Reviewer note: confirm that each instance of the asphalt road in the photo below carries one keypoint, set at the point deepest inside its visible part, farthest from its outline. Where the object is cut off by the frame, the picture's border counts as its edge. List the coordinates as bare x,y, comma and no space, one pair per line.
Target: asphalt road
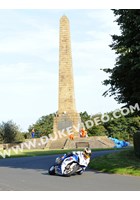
31,174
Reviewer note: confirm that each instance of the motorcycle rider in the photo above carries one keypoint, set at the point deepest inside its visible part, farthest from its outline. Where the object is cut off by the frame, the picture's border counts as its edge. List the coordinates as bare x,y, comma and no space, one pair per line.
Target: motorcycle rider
83,158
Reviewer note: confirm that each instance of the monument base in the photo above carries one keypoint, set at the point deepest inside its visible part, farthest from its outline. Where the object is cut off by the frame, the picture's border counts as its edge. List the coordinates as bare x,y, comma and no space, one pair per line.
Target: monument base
78,143
67,122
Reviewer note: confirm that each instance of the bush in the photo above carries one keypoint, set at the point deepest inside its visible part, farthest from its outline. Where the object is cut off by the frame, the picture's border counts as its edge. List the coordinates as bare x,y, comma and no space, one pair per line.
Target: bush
10,133
27,135
136,140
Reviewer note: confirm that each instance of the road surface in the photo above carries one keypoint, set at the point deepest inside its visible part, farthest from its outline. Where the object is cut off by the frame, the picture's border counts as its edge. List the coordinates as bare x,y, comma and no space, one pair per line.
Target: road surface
31,174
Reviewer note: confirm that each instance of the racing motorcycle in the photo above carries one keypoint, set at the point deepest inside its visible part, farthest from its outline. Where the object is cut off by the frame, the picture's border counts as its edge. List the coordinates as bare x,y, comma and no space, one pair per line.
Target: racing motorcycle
67,166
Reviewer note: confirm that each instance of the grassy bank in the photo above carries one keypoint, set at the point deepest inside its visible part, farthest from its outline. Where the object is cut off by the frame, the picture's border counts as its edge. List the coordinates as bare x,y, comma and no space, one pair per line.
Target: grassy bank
123,162
39,152
29,153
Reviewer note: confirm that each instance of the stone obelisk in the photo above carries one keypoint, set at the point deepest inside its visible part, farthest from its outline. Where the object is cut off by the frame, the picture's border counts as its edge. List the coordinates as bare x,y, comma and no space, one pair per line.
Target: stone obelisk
66,115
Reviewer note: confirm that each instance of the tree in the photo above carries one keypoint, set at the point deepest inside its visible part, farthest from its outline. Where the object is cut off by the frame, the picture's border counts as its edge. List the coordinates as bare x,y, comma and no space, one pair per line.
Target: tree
123,127
43,126
94,130
1,135
124,79
9,132
84,116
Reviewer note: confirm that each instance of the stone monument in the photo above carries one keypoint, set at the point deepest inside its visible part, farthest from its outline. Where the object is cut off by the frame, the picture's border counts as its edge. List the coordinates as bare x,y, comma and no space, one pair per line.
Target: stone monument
66,115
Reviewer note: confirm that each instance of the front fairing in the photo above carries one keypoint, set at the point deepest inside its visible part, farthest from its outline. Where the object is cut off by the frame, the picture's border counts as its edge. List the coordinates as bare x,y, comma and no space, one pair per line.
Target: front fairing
67,161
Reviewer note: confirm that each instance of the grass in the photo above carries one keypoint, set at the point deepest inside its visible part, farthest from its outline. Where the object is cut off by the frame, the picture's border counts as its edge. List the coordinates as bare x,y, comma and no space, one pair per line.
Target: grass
32,152
39,152
123,162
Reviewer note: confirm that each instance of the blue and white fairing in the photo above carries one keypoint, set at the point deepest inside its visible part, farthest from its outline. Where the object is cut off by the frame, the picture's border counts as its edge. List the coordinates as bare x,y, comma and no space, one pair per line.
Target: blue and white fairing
68,160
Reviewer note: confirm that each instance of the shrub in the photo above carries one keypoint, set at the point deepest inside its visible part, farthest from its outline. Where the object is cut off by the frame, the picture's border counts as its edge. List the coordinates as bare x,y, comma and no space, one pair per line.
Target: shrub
10,133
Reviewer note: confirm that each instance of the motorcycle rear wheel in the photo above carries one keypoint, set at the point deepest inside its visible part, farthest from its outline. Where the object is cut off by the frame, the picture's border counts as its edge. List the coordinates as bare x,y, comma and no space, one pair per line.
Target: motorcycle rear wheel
80,172
70,172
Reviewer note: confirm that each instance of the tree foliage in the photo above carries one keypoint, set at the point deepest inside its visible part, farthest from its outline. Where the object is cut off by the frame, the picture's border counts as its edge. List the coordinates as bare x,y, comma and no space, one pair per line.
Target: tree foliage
122,128
10,133
136,139
94,130
124,79
43,126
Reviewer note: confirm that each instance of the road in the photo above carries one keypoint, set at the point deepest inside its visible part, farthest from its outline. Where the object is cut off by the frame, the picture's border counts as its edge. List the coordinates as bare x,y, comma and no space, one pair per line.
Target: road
31,174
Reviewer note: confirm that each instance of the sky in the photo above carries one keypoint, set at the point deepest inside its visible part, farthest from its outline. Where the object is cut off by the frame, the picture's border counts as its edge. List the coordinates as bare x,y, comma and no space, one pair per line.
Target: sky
29,61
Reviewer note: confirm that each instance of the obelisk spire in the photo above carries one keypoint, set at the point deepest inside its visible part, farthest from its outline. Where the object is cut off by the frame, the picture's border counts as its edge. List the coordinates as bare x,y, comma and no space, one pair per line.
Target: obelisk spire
66,115
66,83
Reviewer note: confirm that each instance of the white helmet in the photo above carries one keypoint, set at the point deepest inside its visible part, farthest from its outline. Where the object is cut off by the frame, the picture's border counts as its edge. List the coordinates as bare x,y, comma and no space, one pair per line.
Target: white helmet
87,152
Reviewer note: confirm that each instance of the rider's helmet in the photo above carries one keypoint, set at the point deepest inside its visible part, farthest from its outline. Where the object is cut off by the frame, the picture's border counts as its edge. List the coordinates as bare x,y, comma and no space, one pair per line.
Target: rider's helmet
87,152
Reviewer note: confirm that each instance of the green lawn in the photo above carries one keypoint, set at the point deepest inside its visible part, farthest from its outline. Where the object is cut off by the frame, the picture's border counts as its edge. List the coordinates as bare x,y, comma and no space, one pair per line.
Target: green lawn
39,152
32,152
124,162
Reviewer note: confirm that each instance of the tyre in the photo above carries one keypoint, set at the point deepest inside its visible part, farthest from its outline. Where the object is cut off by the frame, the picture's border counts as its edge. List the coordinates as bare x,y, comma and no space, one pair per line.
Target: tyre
52,170
70,169
80,172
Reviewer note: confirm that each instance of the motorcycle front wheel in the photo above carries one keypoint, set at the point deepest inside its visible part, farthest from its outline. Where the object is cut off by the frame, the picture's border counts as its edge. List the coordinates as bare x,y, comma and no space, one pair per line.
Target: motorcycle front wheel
52,170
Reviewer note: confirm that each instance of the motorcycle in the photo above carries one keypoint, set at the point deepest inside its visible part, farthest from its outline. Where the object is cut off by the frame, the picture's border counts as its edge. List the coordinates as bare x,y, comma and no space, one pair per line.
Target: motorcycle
66,166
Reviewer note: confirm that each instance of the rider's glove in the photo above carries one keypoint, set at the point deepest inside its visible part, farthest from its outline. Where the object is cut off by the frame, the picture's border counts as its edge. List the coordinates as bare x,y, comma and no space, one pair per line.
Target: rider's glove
58,160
